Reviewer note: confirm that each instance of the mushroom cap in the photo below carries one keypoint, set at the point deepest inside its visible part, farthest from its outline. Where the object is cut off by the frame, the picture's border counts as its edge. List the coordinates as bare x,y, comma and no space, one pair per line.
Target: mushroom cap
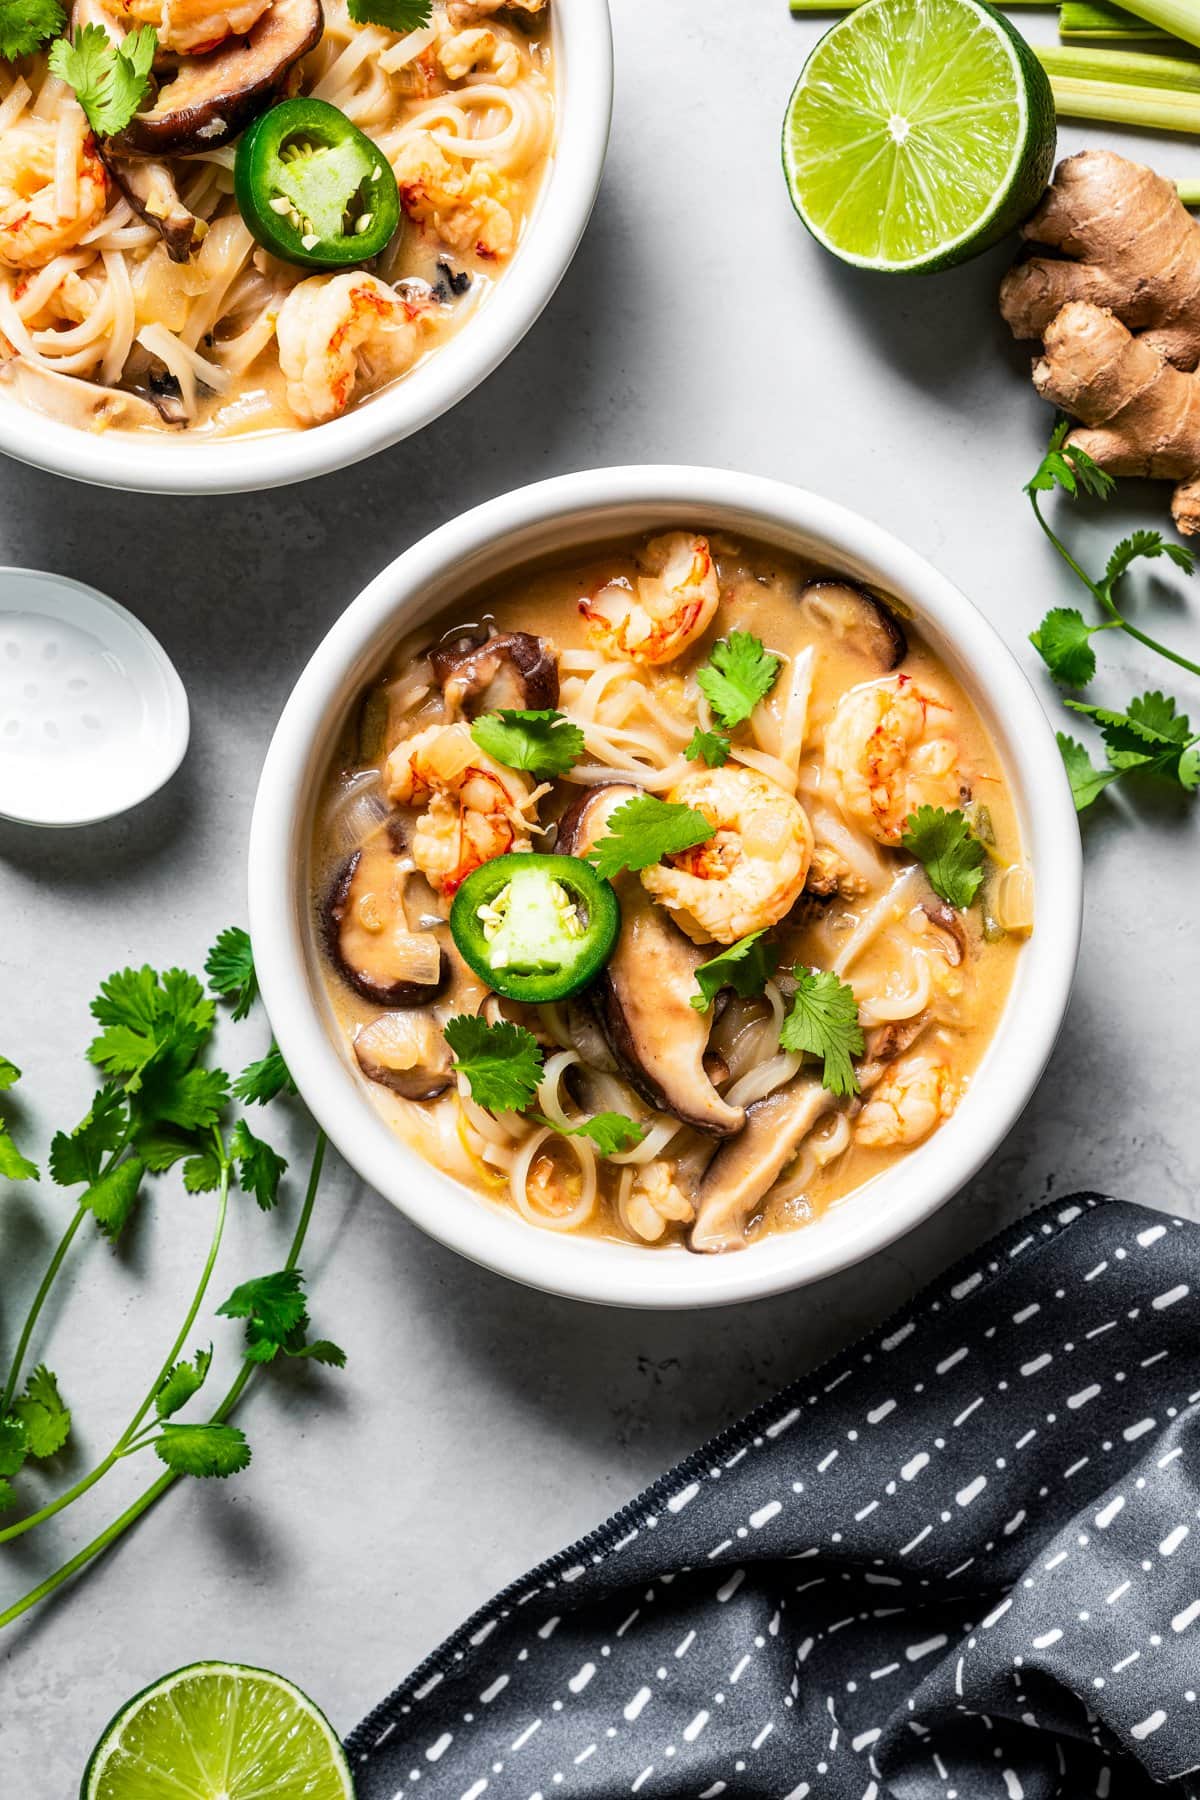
213,97
513,671
361,957
859,619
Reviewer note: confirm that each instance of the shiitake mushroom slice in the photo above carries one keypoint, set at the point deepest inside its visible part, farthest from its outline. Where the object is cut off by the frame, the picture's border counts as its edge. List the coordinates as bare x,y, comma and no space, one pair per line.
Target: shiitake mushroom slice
857,619
368,936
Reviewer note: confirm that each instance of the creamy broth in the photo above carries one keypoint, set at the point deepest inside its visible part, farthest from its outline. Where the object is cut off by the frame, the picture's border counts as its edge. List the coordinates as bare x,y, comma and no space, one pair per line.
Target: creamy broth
116,312
862,724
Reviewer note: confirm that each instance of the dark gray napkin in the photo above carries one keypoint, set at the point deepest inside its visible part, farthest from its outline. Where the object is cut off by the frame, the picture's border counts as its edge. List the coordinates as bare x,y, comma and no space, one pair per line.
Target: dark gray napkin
959,1562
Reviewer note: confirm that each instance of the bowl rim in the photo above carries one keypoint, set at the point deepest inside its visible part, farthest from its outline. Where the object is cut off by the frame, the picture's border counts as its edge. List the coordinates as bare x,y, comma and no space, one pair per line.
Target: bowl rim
585,1268
135,462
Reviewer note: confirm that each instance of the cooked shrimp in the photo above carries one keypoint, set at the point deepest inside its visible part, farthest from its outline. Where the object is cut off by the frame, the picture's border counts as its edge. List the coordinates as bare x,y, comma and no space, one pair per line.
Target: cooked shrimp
461,12
750,872
471,207
667,610
37,220
332,329
475,808
915,1095
655,1202
480,50
891,747
190,25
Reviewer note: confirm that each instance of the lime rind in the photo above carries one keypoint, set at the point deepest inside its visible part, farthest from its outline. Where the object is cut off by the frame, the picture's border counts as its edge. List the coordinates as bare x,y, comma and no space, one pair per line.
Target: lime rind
215,1731
870,74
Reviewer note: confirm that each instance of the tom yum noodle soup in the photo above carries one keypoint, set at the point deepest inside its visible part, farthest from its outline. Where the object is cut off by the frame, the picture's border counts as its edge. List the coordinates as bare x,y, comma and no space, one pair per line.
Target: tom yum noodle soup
670,895
247,215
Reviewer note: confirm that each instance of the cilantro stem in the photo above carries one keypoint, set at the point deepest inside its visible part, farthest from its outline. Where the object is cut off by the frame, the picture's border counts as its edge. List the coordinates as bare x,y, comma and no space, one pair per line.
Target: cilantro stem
39,1300
155,1492
1116,619
125,1443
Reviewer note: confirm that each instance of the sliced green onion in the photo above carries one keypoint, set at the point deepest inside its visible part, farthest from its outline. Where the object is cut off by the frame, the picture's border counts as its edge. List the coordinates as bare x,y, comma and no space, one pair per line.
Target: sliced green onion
1125,67
1116,103
1097,19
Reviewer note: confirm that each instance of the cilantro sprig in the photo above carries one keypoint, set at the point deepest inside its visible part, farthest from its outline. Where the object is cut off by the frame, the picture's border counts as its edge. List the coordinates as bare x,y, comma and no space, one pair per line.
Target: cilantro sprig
746,967
823,1021
643,830
738,674
709,747
395,15
952,855
1150,735
110,79
502,1067
161,1106
545,744
25,25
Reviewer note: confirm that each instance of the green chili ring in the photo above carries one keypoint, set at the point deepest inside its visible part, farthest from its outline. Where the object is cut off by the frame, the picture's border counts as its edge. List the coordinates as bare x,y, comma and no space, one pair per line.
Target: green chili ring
314,189
550,925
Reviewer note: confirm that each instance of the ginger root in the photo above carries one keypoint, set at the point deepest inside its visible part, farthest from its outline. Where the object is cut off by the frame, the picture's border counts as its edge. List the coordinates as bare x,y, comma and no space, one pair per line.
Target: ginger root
1120,321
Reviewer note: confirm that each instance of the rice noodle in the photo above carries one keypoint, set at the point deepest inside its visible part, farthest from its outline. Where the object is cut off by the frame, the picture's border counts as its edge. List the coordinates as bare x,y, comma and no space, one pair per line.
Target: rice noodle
571,1218
881,1008
889,907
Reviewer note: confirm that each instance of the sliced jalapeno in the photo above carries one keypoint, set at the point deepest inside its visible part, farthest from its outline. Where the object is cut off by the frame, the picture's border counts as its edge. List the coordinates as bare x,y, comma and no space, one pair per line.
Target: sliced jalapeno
313,188
535,927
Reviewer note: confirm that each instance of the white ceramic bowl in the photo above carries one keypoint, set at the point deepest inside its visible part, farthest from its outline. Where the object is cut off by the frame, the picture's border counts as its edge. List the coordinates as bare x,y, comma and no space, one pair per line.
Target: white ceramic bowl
167,463
490,542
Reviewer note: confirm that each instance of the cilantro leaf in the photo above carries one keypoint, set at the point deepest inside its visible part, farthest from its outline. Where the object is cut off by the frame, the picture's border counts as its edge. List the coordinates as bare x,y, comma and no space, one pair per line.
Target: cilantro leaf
321,1351
823,1022
180,1383
1087,781
8,1495
149,1019
1066,466
162,1146
111,1199
206,1450
547,744
260,1082
1148,544
77,1157
44,1419
272,1305
14,1445
393,15
14,1165
502,1063
193,1100
9,1073
952,855
230,970
1063,641
739,673
643,830
611,1132
202,1172
1150,734
746,967
709,747
110,80
1188,771
25,26
259,1167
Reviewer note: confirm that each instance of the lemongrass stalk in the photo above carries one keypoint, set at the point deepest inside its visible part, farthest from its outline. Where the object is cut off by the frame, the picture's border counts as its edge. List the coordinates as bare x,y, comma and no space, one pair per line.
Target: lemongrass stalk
1189,192
1180,17
1125,67
832,6
1157,109
1096,19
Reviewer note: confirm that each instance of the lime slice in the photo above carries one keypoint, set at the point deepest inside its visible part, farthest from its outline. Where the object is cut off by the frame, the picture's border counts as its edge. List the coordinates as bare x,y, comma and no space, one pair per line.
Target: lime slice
218,1731
919,132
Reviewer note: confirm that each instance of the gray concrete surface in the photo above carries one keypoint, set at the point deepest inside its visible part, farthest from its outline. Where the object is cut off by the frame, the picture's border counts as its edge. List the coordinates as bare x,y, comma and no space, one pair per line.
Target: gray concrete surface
478,1427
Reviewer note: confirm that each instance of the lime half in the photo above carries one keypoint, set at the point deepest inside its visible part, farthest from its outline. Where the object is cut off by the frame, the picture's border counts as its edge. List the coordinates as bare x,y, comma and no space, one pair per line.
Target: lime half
920,132
218,1731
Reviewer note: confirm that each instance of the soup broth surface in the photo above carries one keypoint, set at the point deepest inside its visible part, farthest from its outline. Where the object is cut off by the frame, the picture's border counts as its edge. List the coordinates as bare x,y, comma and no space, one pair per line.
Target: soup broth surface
863,723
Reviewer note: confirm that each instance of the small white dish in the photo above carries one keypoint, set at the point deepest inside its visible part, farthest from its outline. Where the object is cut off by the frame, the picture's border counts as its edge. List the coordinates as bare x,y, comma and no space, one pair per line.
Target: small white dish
490,544
93,717
169,463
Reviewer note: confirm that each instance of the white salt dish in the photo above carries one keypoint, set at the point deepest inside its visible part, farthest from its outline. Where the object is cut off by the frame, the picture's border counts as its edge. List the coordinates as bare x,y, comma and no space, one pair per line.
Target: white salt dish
93,717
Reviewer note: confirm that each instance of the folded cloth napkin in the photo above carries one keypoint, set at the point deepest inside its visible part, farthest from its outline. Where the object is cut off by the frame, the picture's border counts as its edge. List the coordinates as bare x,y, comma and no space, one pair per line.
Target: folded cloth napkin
960,1561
